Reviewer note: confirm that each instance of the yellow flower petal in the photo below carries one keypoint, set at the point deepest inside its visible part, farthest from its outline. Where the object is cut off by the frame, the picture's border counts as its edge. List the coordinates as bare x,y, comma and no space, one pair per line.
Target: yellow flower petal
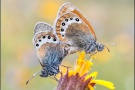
82,55
71,72
82,67
107,84
90,87
80,62
94,74
86,67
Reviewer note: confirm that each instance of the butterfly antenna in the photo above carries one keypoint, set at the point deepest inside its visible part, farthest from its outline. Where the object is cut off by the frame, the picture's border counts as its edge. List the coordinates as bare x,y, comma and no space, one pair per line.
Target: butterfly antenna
107,49
33,76
91,55
114,44
65,66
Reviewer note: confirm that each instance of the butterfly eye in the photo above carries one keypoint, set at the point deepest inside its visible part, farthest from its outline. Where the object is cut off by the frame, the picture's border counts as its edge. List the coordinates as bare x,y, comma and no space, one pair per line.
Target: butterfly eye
63,24
62,35
37,45
54,39
62,29
77,19
49,37
39,40
71,18
43,37
66,20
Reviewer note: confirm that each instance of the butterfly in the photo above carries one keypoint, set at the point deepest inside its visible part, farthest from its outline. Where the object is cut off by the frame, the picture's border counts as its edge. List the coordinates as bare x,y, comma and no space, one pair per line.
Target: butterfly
71,33
74,29
49,52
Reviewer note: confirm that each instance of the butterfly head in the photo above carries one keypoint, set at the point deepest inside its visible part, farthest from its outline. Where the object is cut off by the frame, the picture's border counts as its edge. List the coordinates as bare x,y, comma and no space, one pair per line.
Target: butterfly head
99,46
49,71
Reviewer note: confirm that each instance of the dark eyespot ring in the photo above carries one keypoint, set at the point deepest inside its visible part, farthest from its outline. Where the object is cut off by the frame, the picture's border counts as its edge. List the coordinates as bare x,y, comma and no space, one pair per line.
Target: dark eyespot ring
77,19
43,37
63,24
62,29
54,39
39,40
49,37
71,18
62,35
66,19
37,45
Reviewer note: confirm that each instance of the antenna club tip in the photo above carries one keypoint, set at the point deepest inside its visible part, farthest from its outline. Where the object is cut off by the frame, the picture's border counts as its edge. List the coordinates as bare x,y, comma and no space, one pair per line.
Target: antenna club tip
27,82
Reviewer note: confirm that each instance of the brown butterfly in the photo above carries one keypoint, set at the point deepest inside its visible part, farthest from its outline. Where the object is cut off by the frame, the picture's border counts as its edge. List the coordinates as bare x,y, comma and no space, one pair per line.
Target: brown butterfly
49,52
74,29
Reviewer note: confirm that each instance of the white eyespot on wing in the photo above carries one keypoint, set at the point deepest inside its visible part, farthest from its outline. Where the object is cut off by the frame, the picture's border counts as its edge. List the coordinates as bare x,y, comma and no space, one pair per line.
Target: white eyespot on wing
41,27
40,42
67,22
64,25
45,39
76,20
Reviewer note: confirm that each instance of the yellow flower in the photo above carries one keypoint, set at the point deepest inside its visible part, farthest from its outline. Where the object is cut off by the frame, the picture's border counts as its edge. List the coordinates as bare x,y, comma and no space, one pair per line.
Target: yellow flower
81,70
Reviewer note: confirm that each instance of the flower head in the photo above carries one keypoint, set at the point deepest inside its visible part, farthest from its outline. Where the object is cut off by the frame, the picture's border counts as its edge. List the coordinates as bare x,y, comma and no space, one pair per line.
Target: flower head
78,79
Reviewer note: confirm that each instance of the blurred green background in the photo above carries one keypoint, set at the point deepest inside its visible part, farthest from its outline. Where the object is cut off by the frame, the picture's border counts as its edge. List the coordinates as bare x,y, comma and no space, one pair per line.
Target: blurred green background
113,21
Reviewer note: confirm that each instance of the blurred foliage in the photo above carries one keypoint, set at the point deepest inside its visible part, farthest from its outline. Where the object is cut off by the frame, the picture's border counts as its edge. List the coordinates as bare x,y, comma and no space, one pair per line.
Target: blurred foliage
113,21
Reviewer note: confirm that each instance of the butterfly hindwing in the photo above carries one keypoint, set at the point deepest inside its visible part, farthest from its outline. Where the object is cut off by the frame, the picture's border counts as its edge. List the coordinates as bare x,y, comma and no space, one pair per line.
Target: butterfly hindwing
43,33
69,7
65,23
47,46
42,27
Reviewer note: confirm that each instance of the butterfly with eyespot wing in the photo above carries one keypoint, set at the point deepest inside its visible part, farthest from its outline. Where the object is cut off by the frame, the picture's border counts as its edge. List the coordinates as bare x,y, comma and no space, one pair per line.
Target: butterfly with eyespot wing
74,29
49,52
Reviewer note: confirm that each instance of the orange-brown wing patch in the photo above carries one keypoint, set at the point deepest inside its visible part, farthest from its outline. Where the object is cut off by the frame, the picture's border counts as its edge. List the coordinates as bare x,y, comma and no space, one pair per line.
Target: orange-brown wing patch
66,7
58,24
39,35
42,51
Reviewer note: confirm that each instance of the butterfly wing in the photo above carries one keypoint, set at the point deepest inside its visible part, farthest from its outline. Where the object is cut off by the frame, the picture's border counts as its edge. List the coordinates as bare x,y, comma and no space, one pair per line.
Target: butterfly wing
42,27
43,38
69,7
71,20
72,30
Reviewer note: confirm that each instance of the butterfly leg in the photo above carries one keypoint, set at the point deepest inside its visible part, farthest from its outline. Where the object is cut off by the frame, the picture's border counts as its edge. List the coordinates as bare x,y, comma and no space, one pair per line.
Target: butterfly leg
54,78
61,74
65,66
90,55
